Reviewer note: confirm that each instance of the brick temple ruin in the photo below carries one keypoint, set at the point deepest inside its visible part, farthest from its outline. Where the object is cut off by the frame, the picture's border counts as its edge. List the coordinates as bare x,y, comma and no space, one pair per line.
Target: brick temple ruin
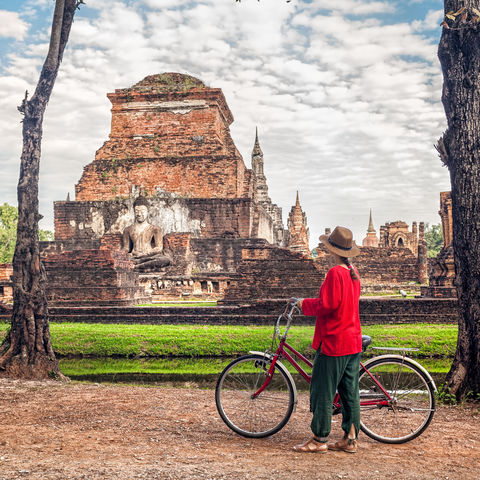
6,286
442,270
268,272
170,144
169,210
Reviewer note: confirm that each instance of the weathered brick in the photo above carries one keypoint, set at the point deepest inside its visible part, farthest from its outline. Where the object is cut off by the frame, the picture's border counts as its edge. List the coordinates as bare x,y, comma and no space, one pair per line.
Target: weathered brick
6,285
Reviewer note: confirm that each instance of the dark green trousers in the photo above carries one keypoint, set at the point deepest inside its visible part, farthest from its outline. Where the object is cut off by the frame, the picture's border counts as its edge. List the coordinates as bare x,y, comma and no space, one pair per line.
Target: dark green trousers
331,374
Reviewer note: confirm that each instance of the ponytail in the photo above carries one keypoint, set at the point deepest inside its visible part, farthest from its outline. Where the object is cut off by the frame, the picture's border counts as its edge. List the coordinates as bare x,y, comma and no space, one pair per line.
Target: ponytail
353,273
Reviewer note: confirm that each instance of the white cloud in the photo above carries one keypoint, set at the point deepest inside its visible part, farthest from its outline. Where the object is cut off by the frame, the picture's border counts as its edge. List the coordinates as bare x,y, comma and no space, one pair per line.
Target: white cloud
11,25
351,7
431,21
348,108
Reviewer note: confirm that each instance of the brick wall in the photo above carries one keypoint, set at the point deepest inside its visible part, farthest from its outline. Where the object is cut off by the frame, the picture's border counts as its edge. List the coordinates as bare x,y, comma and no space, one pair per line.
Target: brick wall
6,287
381,265
202,217
270,272
177,140
372,312
84,277
195,176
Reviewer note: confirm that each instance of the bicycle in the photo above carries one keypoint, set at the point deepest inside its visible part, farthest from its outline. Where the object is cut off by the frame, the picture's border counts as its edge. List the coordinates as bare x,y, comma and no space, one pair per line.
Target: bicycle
256,393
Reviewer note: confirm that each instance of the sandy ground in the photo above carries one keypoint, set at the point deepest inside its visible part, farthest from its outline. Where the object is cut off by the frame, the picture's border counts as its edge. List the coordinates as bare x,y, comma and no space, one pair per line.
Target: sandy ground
89,431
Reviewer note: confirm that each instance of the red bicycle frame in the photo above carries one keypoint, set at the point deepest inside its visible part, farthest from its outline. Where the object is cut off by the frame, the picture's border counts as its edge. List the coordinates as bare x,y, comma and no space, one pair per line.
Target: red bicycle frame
282,353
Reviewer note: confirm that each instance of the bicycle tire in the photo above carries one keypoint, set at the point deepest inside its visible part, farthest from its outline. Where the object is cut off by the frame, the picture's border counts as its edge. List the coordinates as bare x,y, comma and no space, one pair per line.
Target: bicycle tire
412,407
254,417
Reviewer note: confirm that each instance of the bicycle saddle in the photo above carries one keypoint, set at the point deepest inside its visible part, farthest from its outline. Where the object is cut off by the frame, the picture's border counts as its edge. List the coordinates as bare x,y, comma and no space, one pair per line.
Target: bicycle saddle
366,341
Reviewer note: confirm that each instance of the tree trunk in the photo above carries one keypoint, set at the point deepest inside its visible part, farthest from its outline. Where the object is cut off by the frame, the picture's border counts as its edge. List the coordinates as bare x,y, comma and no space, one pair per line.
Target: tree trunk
459,148
27,350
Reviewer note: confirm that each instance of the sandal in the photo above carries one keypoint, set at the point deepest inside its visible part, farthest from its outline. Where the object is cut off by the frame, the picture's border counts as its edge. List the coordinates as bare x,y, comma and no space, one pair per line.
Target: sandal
312,446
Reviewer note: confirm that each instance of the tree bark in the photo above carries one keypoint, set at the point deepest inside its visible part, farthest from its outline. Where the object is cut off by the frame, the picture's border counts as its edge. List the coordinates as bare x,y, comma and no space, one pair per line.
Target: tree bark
459,148
27,350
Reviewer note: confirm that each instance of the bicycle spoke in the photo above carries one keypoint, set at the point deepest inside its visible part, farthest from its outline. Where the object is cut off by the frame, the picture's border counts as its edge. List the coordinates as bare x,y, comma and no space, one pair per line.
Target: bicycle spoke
263,414
409,408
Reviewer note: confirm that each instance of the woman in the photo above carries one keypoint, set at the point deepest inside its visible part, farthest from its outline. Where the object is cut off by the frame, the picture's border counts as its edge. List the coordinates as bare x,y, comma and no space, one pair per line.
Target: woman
338,342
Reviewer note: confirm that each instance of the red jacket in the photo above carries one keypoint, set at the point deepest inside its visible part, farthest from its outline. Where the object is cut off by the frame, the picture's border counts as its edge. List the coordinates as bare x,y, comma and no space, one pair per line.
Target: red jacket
337,328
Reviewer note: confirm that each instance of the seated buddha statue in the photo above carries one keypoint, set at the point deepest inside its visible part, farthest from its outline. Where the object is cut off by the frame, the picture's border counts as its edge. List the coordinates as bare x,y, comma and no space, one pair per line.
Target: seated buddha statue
143,240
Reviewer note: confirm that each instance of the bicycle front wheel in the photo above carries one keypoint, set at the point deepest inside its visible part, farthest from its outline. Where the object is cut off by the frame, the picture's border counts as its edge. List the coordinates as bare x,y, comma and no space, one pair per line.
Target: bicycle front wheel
404,408
263,415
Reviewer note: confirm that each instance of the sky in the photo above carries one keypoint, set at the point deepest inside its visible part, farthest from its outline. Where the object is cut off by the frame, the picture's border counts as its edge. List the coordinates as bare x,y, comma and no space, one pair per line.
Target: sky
346,97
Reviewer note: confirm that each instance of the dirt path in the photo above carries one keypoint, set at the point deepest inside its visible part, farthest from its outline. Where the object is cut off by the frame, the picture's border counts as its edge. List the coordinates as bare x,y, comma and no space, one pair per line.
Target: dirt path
84,431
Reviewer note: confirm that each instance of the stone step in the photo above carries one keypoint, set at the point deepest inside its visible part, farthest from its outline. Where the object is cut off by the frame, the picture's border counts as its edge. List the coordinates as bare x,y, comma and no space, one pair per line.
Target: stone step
372,311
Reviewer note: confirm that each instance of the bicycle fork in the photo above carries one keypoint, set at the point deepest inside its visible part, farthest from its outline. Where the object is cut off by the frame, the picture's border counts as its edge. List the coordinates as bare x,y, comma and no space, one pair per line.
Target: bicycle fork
268,379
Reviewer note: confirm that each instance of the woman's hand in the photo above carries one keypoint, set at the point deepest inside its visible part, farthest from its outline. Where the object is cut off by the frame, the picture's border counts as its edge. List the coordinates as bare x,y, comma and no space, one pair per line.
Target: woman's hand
296,301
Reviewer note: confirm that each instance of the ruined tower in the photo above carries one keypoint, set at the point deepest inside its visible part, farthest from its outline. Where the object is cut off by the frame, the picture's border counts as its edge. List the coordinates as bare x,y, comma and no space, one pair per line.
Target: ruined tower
298,230
442,271
169,132
397,235
261,188
261,193
170,140
371,240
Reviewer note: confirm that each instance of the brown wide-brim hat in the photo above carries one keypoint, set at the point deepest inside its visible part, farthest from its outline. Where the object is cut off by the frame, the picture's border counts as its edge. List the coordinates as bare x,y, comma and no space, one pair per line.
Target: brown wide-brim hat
340,241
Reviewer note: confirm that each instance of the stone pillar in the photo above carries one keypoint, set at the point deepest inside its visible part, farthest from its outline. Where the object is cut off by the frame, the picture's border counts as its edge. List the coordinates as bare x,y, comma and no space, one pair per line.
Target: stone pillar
415,236
421,232
383,242
446,216
422,262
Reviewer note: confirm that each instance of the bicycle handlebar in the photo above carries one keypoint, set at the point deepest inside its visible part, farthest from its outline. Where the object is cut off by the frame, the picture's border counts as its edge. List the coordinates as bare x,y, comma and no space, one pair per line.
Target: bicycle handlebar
287,313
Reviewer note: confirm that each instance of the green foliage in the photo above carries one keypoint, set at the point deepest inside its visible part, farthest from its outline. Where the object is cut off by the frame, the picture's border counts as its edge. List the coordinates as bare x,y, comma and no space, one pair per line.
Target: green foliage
472,396
434,239
8,232
45,235
53,375
444,396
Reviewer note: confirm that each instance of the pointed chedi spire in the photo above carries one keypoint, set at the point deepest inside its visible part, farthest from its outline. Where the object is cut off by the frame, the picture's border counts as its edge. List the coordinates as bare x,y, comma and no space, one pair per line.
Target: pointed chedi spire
256,147
370,224
297,203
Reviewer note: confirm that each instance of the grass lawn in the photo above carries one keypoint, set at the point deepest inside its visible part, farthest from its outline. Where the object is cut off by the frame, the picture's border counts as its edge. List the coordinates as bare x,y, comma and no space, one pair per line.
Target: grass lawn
110,349
103,340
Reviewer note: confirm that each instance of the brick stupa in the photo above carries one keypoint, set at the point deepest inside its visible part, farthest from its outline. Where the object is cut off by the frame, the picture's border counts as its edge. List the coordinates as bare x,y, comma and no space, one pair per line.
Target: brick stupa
371,240
170,133
170,143
298,230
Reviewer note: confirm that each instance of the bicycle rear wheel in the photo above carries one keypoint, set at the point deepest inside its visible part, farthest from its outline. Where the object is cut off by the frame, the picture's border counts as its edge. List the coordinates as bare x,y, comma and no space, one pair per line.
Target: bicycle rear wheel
263,415
410,408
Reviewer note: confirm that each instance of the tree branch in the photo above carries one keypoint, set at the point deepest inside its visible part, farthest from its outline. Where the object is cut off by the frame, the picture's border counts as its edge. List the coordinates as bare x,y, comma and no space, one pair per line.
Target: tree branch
52,57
